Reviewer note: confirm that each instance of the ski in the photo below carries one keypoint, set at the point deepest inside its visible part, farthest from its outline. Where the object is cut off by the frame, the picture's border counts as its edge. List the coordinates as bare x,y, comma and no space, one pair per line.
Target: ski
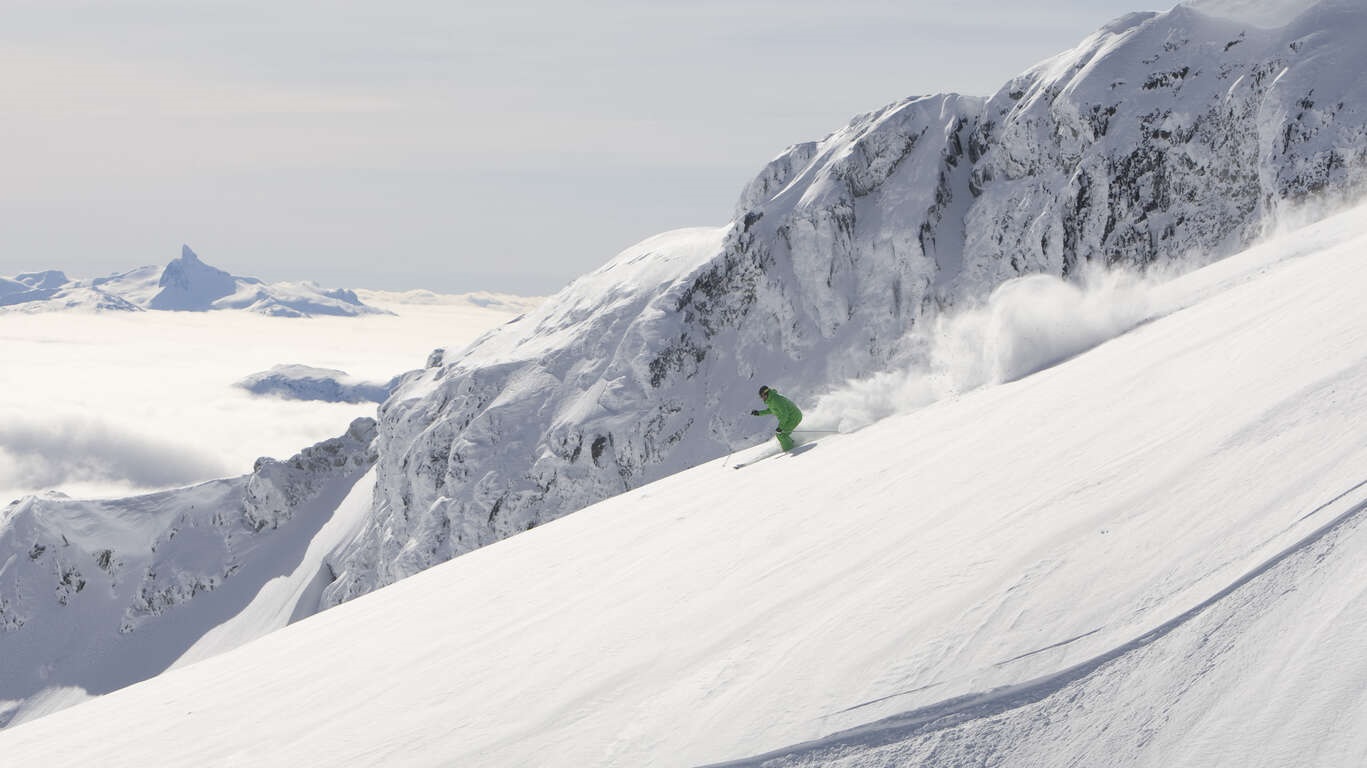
745,464
801,448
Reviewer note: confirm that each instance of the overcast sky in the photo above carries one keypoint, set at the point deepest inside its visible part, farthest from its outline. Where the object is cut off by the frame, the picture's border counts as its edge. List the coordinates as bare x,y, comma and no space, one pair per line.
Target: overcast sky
457,145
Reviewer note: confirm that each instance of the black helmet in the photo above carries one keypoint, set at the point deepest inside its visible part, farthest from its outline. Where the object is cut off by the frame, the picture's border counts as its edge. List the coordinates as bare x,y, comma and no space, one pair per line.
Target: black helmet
763,392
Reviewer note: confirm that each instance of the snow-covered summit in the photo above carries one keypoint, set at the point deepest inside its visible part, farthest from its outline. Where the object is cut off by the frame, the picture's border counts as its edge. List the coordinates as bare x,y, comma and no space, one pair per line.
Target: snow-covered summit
1164,138
185,284
30,286
189,284
43,281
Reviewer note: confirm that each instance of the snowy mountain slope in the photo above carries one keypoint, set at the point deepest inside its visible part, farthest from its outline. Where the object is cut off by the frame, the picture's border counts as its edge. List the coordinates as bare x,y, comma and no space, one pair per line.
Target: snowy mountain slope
185,284
97,595
30,287
1158,542
1164,138
1181,692
569,359
54,290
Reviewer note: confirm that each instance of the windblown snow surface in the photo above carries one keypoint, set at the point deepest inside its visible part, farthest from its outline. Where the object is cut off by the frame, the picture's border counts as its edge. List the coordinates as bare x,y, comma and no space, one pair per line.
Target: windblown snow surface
1152,553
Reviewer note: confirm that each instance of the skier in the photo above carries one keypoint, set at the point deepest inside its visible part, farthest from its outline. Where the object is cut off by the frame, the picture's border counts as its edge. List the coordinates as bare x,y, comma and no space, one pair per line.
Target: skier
789,416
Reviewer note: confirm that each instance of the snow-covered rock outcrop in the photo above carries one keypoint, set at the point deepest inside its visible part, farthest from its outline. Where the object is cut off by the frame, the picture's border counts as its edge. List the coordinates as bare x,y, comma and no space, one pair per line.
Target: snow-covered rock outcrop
96,595
186,284
304,382
1163,137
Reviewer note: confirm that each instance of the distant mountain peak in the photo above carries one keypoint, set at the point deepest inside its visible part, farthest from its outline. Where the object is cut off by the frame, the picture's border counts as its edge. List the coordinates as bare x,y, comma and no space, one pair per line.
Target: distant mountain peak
42,281
188,283
185,284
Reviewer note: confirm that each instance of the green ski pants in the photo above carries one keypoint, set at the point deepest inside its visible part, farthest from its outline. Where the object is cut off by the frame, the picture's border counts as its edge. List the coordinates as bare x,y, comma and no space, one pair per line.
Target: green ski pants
784,433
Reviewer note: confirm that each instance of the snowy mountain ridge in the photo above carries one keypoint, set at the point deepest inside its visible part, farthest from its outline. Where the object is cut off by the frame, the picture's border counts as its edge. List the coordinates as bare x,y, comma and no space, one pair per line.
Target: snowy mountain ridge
97,595
1150,554
1163,139
186,284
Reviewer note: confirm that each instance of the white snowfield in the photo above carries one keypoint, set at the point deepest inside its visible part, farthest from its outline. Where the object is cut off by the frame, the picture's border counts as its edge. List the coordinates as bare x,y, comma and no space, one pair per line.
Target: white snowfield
1151,554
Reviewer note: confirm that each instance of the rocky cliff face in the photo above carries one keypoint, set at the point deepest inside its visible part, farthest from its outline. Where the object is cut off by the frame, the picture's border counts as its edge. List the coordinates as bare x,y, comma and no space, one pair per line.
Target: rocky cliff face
1161,138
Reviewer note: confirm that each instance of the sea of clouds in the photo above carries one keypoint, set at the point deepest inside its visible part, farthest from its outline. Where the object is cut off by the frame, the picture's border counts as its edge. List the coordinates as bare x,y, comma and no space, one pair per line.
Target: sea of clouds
112,403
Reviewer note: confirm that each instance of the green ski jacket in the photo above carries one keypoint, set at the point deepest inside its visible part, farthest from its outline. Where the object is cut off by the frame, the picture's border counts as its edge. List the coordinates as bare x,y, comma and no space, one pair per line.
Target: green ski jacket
788,414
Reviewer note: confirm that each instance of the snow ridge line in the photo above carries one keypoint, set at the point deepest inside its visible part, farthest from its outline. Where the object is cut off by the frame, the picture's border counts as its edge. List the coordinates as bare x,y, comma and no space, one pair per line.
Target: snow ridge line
1331,502
959,710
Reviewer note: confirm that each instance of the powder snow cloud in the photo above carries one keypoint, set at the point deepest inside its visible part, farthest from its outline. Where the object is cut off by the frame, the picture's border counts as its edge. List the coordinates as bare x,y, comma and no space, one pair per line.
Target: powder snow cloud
1025,326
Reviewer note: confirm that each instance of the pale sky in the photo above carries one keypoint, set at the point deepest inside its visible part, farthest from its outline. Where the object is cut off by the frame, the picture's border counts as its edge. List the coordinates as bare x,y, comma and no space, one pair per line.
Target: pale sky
460,145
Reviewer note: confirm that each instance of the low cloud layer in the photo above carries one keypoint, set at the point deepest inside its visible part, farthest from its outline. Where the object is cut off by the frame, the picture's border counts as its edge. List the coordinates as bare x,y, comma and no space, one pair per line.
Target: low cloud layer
119,403
79,450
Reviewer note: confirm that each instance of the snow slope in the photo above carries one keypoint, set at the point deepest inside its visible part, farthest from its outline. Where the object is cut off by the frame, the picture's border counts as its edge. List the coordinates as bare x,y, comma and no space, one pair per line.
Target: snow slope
1149,554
